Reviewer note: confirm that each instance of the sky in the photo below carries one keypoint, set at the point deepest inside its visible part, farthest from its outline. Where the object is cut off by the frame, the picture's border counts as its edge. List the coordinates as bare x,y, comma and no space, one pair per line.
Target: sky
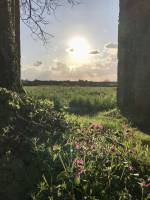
84,46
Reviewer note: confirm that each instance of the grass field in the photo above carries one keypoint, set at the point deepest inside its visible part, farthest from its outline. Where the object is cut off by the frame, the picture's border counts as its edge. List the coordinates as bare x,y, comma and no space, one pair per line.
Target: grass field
86,104
78,100
104,157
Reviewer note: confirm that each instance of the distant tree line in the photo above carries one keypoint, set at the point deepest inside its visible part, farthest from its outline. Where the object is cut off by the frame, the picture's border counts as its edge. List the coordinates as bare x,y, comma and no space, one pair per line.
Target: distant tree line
83,83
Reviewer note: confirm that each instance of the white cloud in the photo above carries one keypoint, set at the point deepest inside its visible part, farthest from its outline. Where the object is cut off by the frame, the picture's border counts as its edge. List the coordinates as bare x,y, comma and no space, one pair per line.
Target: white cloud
102,66
94,52
37,63
111,46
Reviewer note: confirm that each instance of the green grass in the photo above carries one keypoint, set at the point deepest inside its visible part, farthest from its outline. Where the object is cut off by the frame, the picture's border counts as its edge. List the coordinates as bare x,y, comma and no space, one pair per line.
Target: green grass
87,105
65,155
78,100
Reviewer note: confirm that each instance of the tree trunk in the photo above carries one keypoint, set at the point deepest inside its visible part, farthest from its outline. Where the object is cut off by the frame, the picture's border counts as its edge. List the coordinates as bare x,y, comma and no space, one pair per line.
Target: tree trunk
10,45
134,58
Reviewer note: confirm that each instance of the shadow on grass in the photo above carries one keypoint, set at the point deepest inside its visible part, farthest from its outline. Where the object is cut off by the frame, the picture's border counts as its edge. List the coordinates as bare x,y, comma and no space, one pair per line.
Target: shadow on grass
86,107
141,124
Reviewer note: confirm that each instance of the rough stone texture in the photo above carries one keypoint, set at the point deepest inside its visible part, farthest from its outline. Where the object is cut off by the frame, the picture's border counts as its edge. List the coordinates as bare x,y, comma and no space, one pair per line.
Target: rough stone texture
10,44
134,58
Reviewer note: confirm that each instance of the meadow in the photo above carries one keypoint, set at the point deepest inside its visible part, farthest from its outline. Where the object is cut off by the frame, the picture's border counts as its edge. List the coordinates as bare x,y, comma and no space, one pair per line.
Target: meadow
111,138
77,100
70,143
86,105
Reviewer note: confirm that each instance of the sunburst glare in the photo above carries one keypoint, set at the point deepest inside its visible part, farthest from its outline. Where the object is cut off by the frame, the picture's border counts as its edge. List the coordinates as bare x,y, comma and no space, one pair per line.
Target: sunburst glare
79,49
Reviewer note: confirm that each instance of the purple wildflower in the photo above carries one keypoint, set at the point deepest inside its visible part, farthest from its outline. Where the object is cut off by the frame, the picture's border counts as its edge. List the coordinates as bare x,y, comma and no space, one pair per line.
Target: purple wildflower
79,163
96,126
113,148
147,185
148,179
77,146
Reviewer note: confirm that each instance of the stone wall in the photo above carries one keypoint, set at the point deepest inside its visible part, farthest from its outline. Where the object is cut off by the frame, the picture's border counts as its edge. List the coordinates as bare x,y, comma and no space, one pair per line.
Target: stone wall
134,58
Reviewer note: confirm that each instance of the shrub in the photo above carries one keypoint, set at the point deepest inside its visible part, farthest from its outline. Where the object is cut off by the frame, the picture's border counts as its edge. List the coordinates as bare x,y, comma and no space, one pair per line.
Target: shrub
27,130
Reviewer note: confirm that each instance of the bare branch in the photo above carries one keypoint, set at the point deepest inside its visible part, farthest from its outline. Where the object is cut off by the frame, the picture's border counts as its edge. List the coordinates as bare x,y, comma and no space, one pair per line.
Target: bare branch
34,14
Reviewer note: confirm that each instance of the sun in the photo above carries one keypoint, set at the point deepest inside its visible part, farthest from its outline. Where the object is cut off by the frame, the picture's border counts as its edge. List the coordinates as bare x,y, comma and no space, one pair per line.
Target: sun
79,49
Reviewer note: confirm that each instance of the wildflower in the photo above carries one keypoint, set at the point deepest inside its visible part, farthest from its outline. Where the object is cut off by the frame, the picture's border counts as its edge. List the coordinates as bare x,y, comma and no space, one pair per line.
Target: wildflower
147,185
77,146
80,168
92,126
79,163
113,148
96,126
99,126
148,179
